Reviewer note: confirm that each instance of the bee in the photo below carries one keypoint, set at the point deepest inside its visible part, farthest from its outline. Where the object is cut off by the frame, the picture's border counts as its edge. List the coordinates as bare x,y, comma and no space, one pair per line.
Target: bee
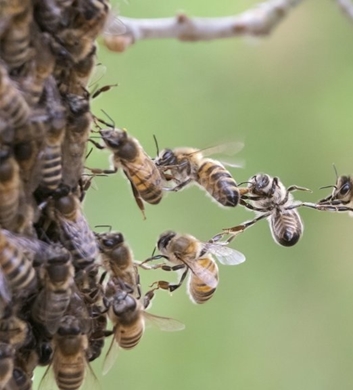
117,258
15,45
17,267
13,106
270,199
144,177
13,330
51,154
69,364
20,380
342,195
53,300
189,165
74,144
75,233
10,188
186,253
128,316
7,355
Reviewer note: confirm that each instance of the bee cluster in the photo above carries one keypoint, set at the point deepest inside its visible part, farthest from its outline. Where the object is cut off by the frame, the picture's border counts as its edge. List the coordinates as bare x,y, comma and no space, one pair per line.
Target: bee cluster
59,281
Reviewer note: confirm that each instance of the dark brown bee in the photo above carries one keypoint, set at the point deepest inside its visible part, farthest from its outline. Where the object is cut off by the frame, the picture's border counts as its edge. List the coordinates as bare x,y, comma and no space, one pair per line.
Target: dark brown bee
10,188
189,165
58,280
75,233
13,107
144,177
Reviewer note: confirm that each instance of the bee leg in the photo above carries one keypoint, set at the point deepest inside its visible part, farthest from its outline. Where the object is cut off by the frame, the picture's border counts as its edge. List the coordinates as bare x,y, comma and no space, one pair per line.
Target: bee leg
98,171
180,186
297,188
105,88
137,197
96,144
324,207
162,284
249,206
144,266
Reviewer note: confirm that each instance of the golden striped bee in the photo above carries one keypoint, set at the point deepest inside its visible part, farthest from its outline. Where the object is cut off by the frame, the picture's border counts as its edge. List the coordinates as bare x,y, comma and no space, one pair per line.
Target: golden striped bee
69,364
186,253
128,316
185,166
144,177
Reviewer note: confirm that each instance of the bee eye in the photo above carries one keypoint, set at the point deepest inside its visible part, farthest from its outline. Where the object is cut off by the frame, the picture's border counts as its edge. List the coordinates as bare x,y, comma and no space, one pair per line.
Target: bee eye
345,189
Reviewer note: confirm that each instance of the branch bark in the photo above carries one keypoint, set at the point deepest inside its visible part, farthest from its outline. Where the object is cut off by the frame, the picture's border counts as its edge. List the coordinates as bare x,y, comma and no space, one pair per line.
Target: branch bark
259,21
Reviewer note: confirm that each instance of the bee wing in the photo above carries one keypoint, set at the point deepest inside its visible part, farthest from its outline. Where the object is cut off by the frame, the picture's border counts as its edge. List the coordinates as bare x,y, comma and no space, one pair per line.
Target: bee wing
80,236
112,353
113,25
201,272
48,379
164,323
225,255
90,381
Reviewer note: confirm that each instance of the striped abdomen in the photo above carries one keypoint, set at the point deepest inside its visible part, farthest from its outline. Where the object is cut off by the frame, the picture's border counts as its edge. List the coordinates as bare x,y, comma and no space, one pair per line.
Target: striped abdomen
199,292
286,227
145,177
129,336
218,182
69,370
16,267
10,186
51,168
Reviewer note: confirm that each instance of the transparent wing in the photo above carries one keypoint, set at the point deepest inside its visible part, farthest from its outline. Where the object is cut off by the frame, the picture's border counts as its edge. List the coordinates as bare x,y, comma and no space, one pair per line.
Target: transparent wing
112,353
164,323
91,381
48,379
202,273
225,255
113,25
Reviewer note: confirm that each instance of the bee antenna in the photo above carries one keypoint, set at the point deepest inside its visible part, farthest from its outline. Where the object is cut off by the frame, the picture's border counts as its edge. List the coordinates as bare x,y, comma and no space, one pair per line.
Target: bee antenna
154,251
105,226
335,169
109,118
156,143
244,182
89,153
321,188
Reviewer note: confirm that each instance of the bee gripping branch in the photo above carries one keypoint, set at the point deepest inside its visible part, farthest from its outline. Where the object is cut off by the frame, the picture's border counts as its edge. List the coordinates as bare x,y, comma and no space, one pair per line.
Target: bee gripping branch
259,21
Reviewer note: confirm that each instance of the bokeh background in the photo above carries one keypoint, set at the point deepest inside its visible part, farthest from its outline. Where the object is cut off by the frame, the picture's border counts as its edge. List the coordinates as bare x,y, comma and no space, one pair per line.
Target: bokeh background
284,318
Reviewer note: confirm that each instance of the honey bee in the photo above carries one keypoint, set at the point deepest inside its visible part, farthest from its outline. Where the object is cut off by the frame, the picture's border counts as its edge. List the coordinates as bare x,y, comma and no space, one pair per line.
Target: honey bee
7,354
13,106
186,253
341,197
270,199
76,235
58,279
117,258
51,154
10,188
189,165
128,316
20,380
15,46
13,330
144,177
16,265
69,364
75,141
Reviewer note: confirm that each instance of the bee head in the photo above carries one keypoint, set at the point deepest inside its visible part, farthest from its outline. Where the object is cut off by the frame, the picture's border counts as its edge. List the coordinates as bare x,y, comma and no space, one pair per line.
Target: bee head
123,302
164,239
166,157
343,188
111,240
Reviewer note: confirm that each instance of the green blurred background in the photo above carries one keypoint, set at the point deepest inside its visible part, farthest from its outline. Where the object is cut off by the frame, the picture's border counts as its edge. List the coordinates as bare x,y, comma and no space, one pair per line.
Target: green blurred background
283,319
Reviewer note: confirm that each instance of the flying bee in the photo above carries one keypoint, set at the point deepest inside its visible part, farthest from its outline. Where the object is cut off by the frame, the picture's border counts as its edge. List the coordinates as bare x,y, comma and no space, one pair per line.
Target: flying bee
13,106
16,265
128,316
186,253
69,365
144,177
58,280
189,165
7,355
270,199
10,188
75,233
15,46
117,258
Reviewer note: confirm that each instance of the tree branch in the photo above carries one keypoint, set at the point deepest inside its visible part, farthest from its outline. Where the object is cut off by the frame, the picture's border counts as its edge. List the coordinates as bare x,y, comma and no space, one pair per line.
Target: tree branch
347,7
259,21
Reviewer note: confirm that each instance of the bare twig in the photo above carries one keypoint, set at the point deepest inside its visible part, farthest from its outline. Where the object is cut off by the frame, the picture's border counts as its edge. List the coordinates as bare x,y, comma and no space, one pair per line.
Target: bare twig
347,7
259,21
